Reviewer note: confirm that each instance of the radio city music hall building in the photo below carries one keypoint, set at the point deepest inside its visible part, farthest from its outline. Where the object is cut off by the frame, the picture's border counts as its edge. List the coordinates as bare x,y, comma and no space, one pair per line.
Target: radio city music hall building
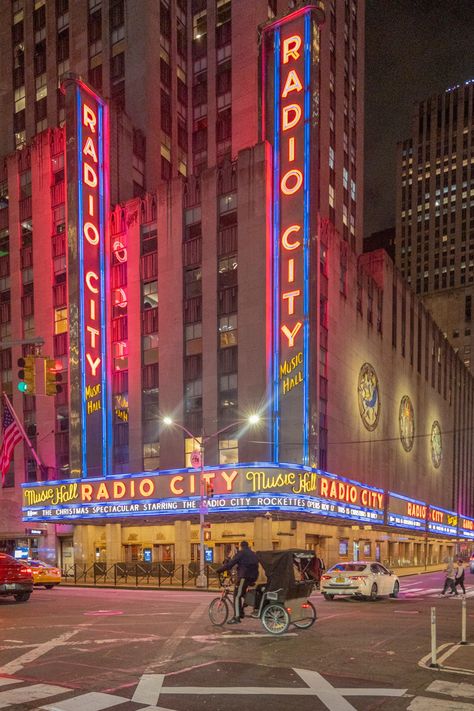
240,289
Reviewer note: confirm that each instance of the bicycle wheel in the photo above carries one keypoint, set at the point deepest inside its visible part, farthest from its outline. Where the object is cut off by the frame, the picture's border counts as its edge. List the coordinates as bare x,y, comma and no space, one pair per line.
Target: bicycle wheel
218,611
275,619
310,618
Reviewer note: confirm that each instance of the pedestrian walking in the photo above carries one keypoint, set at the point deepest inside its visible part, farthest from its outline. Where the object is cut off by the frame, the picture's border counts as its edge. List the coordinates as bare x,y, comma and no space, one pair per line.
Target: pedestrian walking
449,582
459,577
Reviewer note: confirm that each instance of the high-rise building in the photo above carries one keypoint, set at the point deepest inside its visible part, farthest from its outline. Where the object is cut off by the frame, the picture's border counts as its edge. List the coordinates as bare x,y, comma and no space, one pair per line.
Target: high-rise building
435,218
232,287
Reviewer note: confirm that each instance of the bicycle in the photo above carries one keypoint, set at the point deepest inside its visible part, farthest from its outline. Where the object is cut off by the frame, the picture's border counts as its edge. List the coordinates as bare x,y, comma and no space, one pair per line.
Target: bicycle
220,607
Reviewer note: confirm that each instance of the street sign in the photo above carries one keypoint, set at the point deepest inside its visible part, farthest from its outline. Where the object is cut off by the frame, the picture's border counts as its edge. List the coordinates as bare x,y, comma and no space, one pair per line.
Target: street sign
196,459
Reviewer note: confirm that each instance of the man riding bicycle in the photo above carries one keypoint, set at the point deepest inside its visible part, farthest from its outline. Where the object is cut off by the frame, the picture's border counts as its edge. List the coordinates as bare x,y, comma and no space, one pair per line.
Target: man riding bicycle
247,573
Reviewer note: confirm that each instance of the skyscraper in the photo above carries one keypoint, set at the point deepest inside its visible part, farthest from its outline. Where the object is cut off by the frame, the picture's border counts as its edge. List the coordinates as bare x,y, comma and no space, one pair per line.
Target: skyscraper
435,220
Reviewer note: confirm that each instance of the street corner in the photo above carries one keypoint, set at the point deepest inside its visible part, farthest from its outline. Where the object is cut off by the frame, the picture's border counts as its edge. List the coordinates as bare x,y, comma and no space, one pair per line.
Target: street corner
455,657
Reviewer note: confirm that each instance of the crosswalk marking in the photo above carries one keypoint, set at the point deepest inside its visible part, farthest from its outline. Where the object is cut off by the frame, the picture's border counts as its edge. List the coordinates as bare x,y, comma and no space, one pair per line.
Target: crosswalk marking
94,701
148,689
5,681
29,693
453,689
426,703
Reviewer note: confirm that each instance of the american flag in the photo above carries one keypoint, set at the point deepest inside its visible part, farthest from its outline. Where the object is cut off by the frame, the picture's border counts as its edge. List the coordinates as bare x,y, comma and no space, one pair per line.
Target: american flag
11,436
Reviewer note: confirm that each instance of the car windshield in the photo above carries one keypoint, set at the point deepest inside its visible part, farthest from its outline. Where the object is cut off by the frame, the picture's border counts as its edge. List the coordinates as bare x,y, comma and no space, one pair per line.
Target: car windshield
348,568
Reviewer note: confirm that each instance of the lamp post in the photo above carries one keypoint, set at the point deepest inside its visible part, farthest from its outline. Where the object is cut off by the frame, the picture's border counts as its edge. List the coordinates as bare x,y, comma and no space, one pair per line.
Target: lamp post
201,442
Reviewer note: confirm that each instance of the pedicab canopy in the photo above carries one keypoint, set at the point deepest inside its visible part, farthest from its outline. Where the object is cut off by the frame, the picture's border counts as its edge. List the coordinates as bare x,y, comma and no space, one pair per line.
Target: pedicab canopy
279,567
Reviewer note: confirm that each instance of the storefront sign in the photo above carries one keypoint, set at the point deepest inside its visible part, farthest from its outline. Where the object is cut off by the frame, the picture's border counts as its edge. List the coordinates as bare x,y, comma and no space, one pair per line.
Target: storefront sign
86,140
406,513
290,59
442,521
466,527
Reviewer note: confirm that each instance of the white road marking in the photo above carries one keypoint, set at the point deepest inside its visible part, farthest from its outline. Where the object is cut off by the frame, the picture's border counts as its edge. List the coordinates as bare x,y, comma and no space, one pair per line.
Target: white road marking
449,648
95,701
182,632
29,693
148,689
425,703
4,681
17,664
452,689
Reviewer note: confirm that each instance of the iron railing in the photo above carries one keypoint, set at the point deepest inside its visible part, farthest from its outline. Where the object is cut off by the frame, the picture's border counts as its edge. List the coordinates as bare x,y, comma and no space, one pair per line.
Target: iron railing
153,575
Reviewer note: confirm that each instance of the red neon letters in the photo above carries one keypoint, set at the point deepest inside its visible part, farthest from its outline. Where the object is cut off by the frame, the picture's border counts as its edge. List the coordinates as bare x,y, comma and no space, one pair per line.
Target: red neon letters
91,237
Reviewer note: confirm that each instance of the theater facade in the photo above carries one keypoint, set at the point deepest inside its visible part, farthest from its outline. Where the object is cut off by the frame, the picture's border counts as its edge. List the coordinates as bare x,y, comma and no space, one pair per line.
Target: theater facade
233,293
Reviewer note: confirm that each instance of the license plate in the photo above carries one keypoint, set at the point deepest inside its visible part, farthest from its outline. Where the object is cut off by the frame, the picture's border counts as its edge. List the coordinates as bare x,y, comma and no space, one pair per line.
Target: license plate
340,579
10,586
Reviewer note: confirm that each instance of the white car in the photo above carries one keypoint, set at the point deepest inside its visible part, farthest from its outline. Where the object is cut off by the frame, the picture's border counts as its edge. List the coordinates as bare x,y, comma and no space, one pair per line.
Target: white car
364,579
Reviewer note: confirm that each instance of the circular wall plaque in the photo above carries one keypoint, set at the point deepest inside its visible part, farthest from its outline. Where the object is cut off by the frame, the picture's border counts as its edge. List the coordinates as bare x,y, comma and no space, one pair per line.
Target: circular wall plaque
436,444
368,396
406,421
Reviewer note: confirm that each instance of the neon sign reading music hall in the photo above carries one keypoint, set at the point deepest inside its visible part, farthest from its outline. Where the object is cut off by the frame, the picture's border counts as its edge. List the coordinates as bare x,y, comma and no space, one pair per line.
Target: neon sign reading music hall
86,128
289,64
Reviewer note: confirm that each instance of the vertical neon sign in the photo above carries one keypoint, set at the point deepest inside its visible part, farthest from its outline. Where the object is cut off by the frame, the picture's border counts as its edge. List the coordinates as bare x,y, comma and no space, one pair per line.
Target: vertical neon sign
290,53
87,187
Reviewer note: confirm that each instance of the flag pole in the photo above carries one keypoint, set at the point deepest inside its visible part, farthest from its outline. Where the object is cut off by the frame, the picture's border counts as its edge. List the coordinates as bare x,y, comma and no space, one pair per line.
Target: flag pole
22,430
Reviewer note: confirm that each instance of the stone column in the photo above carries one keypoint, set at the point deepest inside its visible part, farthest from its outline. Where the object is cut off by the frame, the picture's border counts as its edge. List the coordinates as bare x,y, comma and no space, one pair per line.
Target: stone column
82,554
182,542
262,534
113,542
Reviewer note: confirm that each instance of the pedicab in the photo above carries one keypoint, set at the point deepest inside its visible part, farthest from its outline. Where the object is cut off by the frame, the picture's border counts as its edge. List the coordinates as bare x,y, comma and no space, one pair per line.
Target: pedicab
281,601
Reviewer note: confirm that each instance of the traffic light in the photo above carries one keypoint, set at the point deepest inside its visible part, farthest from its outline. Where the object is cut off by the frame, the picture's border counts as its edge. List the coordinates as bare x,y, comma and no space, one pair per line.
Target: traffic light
52,376
26,375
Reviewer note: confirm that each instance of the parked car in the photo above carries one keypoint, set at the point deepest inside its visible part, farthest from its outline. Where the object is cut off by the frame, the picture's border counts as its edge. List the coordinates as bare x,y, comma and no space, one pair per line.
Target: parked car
363,579
16,578
44,573
471,563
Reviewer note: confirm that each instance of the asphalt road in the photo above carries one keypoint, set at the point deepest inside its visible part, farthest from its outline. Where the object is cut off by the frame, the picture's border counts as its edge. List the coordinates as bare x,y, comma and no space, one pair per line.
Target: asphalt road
78,649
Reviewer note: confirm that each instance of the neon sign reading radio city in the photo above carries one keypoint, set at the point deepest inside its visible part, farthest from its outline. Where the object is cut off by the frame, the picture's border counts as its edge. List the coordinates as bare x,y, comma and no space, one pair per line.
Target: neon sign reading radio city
92,236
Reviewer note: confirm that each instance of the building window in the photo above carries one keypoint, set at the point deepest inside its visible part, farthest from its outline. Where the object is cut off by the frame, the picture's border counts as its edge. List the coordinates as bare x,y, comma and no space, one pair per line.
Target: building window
192,282
228,331
193,338
193,396
60,321
228,451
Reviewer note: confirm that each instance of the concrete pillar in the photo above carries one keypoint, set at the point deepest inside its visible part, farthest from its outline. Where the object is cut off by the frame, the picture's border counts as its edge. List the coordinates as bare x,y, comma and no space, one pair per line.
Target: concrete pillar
82,555
113,542
299,540
262,534
182,542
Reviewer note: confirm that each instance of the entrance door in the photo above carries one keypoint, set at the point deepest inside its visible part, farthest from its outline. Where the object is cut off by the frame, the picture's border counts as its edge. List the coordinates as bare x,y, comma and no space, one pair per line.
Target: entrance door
355,550
66,554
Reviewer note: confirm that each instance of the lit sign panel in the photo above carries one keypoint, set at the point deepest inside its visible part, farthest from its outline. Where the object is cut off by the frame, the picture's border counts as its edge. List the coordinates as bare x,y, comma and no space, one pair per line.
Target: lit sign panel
289,64
406,513
466,527
442,521
252,488
86,140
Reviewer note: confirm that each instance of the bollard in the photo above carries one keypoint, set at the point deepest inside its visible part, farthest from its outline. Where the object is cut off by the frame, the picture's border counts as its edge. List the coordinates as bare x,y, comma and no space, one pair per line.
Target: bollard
434,664
463,622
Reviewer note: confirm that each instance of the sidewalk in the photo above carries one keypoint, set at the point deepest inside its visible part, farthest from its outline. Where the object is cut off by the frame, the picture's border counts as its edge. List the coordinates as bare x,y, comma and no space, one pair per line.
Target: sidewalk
402,572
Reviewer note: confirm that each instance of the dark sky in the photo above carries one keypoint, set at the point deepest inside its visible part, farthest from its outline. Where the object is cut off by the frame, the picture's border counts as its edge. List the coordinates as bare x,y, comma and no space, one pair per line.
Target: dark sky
414,48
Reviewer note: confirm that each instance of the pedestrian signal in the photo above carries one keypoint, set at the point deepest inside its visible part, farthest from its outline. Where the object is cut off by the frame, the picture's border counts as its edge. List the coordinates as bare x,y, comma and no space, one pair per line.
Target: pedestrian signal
209,490
26,375
52,376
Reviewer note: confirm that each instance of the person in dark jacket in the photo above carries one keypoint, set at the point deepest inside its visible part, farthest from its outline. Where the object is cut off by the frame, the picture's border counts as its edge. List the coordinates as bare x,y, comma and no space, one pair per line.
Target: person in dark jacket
247,573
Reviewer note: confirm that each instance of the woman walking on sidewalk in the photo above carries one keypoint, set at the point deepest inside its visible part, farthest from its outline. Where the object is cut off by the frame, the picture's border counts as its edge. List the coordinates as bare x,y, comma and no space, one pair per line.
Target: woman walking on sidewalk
459,579
449,583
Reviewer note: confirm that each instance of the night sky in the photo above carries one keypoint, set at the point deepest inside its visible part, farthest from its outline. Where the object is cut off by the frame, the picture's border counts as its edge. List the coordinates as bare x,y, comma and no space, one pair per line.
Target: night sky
414,49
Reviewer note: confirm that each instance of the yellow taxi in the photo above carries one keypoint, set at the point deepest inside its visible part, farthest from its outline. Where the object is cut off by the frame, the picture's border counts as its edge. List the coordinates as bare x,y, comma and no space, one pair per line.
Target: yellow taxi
44,574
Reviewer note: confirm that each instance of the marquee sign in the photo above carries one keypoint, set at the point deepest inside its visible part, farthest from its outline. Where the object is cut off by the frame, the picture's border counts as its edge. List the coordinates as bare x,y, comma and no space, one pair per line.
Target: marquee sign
290,56
406,513
442,521
466,527
87,195
243,488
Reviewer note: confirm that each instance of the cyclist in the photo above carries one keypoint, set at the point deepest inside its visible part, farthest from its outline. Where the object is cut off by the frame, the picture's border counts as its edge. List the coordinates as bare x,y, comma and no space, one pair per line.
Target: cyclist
247,573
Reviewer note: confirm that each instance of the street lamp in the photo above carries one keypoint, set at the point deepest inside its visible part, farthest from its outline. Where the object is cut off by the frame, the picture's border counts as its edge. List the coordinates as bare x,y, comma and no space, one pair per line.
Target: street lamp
201,442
